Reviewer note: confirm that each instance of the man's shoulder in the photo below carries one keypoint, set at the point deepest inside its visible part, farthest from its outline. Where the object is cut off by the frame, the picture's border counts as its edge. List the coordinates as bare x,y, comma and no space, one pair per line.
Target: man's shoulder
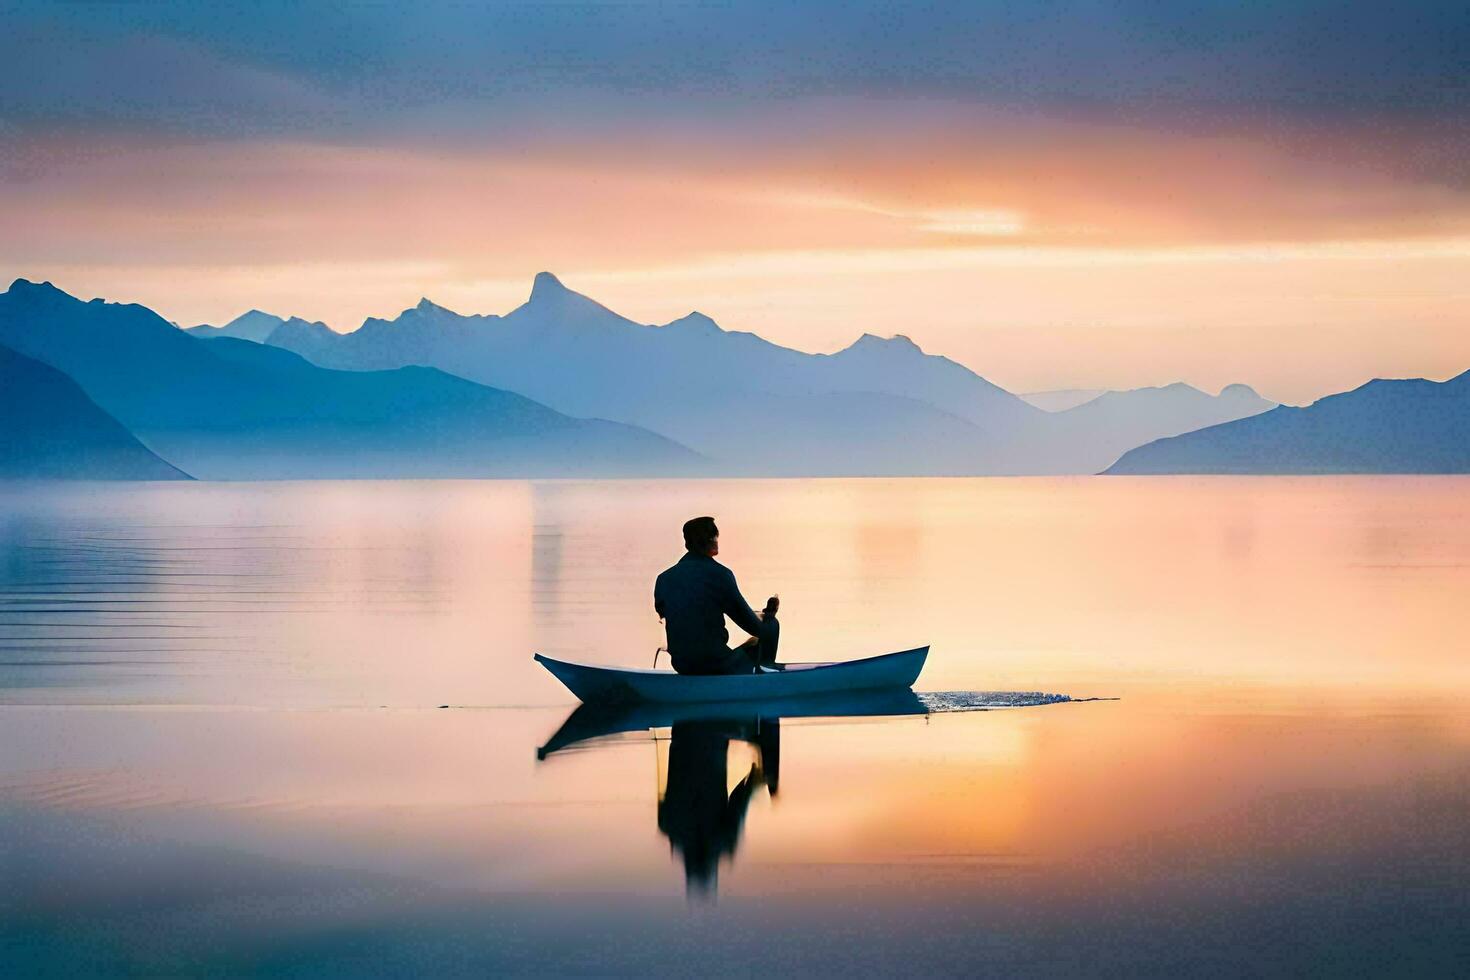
676,570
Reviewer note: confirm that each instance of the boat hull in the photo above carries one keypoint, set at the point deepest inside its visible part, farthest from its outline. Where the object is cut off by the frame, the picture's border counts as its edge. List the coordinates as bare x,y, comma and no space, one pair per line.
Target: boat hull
595,685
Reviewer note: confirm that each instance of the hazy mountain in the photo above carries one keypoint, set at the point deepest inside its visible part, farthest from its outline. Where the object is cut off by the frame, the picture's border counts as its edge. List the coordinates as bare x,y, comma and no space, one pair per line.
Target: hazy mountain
304,337
255,325
1412,426
897,366
1060,399
50,429
1094,434
367,404
879,406
876,407
227,409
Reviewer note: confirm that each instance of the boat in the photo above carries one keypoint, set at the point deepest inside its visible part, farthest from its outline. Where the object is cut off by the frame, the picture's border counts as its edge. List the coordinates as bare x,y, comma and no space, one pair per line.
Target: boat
593,684
601,721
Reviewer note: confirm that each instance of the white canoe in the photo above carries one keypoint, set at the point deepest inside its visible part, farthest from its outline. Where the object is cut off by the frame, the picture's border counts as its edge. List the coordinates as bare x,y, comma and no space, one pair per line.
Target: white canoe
593,684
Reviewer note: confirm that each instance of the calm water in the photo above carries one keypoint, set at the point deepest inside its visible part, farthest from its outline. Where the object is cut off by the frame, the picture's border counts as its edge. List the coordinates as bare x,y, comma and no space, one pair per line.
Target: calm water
222,746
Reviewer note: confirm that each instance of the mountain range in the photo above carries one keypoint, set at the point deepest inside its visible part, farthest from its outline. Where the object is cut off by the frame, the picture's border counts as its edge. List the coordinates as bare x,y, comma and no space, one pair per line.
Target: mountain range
749,405
1385,426
563,386
1098,431
229,409
881,406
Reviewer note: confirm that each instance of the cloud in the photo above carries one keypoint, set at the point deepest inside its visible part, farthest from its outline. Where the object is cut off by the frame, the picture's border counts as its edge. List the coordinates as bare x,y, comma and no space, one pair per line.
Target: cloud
1049,122
981,224
147,84
798,164
1127,59
827,175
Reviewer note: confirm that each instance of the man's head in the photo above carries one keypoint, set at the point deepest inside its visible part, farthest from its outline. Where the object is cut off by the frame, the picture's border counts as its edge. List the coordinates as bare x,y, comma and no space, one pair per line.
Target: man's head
701,536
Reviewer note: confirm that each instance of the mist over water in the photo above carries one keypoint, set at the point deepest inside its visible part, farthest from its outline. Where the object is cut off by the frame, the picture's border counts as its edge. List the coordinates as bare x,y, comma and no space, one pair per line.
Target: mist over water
220,711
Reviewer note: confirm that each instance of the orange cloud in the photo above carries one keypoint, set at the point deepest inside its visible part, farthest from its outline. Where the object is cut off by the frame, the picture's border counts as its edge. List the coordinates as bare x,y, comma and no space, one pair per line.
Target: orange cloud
1042,251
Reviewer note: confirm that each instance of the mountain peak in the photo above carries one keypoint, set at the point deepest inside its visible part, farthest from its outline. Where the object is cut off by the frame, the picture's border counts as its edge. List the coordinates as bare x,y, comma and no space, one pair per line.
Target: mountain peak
696,321
553,306
1238,390
425,305
24,287
252,325
898,342
546,286
299,331
253,316
299,323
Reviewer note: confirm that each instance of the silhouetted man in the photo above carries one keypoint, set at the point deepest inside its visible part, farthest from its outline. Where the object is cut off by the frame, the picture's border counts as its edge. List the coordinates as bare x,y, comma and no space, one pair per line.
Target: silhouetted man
694,597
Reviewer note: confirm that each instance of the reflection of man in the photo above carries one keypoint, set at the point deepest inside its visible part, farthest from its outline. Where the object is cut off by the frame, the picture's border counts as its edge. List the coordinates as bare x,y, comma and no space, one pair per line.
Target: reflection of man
694,597
700,817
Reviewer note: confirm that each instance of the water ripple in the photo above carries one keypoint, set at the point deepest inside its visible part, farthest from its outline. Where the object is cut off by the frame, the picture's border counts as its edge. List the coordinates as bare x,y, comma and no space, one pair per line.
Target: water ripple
945,701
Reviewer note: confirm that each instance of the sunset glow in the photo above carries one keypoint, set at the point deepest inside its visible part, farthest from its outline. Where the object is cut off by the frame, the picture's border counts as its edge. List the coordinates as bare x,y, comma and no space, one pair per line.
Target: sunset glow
1270,222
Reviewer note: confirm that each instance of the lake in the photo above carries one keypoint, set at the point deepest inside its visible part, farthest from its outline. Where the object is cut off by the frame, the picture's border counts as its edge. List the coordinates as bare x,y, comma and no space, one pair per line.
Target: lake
293,729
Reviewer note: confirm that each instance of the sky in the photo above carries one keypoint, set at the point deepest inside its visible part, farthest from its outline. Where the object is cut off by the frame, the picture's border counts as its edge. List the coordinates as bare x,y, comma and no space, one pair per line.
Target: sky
1090,194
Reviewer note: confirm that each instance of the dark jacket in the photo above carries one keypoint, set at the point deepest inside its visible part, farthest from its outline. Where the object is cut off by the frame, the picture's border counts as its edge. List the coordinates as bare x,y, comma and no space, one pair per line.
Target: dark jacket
693,598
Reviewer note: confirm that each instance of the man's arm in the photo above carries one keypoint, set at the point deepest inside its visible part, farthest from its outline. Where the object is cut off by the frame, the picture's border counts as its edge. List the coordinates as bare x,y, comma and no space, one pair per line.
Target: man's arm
738,609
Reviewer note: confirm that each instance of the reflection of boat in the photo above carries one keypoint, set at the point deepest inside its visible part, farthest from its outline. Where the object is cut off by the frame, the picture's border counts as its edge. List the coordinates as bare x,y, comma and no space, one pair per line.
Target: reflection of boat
698,811
599,720
614,684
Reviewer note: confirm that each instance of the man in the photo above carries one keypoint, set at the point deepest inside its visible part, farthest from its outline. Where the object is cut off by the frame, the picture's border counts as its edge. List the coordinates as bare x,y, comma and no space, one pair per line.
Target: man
694,597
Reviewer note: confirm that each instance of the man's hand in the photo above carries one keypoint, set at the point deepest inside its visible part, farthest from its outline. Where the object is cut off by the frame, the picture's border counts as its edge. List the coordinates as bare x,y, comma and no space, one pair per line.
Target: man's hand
772,604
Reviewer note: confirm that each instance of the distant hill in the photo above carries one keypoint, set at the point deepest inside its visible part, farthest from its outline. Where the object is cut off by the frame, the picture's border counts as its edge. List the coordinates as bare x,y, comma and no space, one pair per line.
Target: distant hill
877,407
880,406
229,409
1097,432
1410,426
304,337
1061,399
299,336
50,429
432,392
254,326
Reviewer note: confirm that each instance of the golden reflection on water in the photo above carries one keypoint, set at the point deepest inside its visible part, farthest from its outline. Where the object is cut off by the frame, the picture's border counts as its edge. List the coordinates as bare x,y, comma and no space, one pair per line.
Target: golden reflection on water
426,594
259,669
457,798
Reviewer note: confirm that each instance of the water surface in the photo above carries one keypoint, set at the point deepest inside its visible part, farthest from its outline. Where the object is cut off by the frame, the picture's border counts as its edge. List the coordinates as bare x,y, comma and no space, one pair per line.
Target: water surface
222,746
